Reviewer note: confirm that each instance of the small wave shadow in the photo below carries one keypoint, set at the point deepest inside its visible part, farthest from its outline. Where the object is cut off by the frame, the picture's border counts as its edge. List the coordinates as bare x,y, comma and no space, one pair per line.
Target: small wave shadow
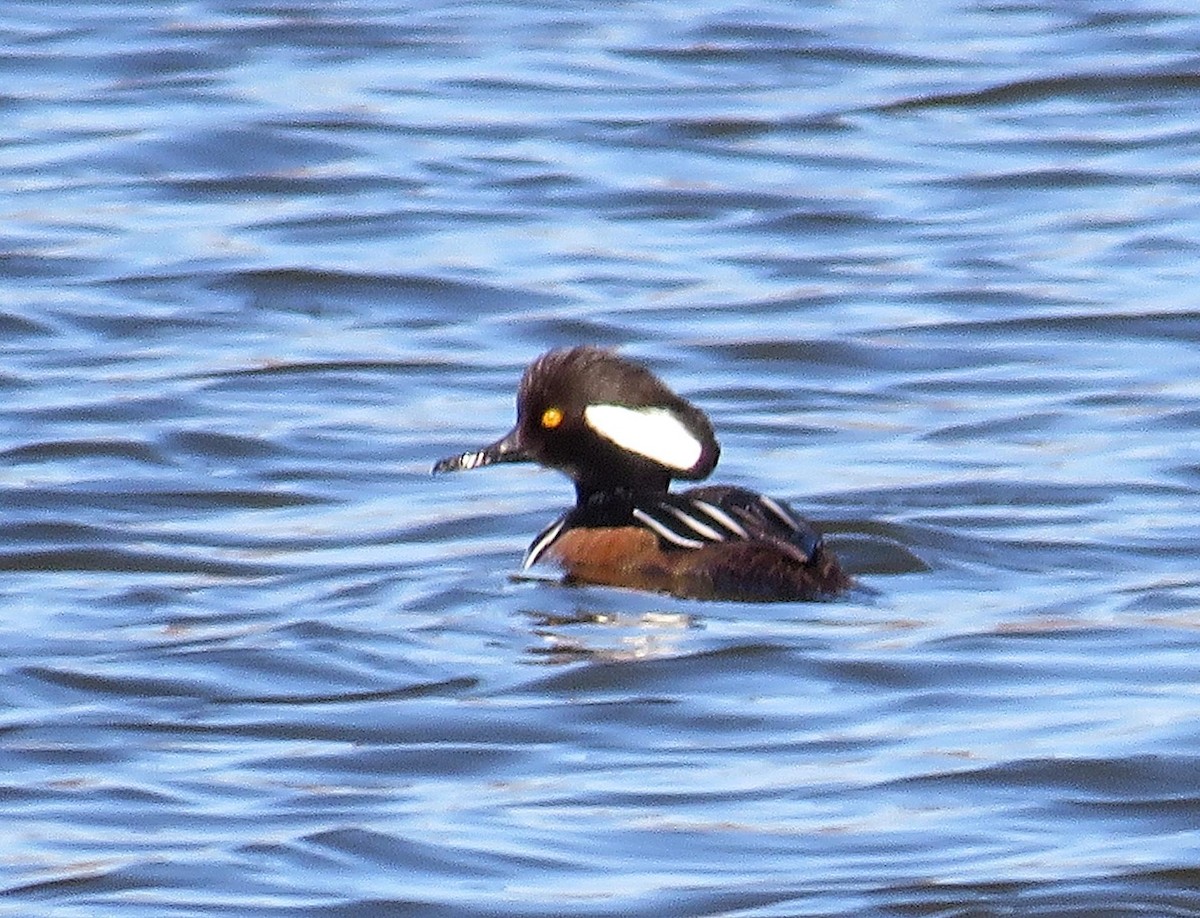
867,548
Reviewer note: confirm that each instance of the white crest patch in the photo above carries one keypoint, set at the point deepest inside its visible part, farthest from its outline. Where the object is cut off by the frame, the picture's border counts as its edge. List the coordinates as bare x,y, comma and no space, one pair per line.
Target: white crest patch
656,433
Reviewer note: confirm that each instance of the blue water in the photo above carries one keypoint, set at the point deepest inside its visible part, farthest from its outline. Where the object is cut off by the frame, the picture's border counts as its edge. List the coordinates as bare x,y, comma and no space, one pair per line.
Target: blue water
932,273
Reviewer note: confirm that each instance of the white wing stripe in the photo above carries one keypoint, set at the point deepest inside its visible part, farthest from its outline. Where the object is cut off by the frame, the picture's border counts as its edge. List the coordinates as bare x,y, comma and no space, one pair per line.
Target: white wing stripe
694,524
788,520
723,518
667,533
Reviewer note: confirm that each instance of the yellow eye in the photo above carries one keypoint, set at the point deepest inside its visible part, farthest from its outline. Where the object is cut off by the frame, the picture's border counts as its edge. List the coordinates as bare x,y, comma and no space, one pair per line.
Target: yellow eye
551,418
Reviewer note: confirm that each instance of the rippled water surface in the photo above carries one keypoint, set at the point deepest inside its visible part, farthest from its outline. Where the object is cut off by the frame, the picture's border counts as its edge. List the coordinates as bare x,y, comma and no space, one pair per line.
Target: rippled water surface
933,275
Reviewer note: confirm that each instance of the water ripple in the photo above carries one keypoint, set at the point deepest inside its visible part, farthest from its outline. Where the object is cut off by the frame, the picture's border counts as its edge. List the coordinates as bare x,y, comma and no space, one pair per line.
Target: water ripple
932,280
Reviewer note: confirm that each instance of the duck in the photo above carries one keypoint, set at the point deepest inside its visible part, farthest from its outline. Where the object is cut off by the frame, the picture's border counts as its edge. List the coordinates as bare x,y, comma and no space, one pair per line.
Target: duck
622,436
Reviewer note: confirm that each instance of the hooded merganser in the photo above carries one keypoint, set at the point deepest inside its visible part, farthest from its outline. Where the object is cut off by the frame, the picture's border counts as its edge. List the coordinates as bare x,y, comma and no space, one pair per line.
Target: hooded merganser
622,436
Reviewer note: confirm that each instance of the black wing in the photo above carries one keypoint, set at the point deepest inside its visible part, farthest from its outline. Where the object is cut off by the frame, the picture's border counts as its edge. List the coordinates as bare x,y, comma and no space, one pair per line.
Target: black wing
702,516
693,519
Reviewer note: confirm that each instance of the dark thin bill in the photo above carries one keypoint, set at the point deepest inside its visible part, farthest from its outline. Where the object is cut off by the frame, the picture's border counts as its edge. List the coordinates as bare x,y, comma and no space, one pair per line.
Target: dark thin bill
506,449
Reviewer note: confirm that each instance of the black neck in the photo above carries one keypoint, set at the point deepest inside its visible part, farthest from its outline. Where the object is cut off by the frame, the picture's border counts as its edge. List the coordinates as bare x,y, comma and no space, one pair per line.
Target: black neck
609,506
602,489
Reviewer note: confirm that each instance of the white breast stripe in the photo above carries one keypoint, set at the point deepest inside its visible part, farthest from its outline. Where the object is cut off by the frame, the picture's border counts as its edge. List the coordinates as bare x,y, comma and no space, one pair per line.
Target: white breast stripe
542,542
722,517
694,524
788,520
656,433
666,532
